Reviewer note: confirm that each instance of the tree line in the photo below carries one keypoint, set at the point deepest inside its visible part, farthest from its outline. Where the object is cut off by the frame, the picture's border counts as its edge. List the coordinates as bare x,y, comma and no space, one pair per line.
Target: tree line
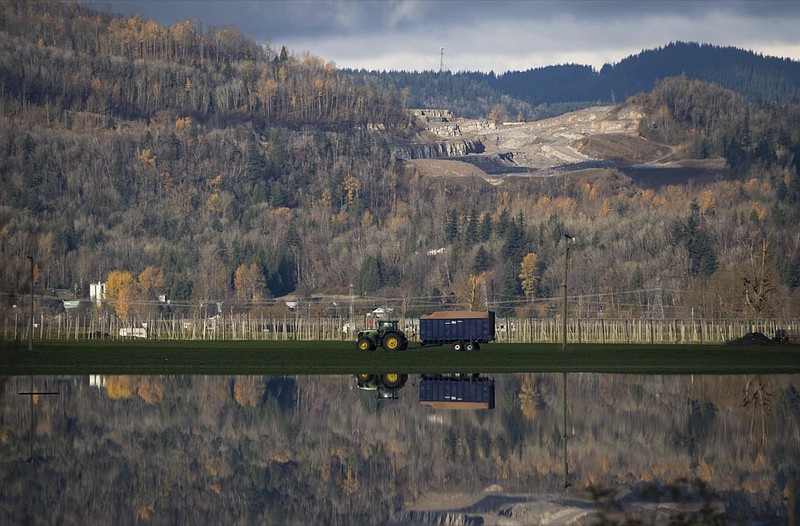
552,90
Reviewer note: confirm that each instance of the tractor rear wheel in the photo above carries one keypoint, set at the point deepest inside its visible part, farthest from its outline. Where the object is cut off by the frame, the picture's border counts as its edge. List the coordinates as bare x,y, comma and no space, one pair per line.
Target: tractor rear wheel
365,344
392,341
391,380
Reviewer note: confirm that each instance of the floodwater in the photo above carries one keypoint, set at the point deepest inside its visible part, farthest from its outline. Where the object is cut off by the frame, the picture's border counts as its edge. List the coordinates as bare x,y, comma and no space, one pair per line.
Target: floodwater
383,449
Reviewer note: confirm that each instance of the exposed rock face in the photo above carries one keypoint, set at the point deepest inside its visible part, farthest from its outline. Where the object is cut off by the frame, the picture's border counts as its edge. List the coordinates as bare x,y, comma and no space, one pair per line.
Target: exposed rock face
538,148
440,150
432,115
436,518
461,127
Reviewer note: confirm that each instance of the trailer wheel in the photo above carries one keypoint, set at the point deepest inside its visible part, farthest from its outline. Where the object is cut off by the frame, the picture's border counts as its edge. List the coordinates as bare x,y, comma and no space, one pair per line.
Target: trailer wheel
469,346
458,346
391,342
477,346
365,344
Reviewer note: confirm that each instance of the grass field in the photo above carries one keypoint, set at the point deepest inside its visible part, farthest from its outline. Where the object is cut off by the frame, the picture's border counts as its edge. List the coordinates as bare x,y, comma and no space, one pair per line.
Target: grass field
312,357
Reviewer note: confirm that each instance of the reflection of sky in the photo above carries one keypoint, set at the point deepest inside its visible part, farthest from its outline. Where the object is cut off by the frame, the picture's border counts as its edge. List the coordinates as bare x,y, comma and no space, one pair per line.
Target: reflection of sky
121,449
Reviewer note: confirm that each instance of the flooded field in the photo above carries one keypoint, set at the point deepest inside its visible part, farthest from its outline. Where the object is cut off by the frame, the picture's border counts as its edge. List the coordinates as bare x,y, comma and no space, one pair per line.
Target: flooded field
399,448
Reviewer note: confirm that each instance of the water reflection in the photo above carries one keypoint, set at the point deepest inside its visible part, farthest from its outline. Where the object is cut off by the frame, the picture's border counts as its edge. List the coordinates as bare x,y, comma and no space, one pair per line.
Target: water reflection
385,385
309,449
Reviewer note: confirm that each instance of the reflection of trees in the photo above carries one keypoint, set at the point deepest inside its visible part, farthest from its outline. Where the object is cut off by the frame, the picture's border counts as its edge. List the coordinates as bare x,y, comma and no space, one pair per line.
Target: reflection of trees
757,397
530,397
306,449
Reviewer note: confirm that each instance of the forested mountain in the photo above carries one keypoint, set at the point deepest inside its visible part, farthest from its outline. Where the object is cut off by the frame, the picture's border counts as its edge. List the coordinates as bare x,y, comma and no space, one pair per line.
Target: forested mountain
196,164
550,90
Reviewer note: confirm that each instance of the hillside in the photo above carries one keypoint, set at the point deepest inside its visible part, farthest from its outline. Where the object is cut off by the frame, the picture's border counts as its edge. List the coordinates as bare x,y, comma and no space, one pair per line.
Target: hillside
552,90
196,165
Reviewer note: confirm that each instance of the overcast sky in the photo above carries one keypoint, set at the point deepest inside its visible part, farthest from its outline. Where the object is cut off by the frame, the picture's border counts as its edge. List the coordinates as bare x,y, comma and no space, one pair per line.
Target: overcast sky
486,35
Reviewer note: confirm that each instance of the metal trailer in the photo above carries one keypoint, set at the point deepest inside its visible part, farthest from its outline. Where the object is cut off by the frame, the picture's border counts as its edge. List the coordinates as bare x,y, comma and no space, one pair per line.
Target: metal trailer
465,330
456,392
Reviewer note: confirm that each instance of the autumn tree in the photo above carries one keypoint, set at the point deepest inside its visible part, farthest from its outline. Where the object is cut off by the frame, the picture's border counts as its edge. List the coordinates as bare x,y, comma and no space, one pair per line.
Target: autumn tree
758,278
249,282
121,292
471,293
529,274
151,281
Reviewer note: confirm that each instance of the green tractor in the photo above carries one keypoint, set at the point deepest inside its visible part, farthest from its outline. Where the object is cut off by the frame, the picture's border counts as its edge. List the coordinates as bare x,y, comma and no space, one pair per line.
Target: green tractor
386,335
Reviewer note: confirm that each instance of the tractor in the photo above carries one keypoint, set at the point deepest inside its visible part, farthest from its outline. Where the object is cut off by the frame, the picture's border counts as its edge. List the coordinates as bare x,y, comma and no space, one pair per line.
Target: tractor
386,335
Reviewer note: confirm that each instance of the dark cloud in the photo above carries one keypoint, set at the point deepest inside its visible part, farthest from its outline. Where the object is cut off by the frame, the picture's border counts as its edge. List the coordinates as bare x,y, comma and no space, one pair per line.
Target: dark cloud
497,35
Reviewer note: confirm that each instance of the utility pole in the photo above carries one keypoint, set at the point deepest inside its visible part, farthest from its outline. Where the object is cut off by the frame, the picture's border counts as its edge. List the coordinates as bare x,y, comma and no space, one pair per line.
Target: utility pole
441,59
567,239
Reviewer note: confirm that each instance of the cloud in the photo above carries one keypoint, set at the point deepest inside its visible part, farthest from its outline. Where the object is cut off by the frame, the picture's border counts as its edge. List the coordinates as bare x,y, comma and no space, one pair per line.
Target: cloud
488,35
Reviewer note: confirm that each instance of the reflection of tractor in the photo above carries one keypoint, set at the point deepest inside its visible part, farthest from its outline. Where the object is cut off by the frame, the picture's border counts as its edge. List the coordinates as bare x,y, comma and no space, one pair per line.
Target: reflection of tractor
386,335
386,385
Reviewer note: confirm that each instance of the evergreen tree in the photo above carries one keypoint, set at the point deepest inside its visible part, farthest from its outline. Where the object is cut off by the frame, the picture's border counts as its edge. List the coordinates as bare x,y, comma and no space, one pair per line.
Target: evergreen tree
451,225
514,244
702,258
486,227
510,290
502,223
471,236
482,261
371,275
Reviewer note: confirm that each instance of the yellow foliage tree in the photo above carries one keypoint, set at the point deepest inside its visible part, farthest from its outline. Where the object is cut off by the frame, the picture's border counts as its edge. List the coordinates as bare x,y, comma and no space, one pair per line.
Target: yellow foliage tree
248,281
529,274
121,291
151,279
707,202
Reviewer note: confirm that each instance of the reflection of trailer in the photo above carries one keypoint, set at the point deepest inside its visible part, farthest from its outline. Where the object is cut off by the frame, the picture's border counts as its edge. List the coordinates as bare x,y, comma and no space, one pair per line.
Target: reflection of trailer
456,392
465,330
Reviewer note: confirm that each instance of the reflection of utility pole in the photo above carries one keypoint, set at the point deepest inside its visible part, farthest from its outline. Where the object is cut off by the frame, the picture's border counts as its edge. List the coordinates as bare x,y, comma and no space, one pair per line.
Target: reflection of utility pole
566,465
568,238
30,334
31,393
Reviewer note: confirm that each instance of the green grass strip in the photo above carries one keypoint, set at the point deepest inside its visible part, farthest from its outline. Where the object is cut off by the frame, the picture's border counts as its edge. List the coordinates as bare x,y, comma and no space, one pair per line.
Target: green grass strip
318,357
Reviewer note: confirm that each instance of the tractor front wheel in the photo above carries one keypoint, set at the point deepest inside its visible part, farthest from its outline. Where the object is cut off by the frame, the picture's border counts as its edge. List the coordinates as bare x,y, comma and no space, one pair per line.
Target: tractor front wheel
365,344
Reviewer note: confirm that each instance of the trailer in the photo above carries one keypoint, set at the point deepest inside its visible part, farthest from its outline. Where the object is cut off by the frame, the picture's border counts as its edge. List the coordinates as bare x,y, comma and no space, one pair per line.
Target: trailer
456,392
464,330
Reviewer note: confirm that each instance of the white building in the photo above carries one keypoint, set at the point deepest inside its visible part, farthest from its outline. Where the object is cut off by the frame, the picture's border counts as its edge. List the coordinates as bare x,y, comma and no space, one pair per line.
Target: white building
97,292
